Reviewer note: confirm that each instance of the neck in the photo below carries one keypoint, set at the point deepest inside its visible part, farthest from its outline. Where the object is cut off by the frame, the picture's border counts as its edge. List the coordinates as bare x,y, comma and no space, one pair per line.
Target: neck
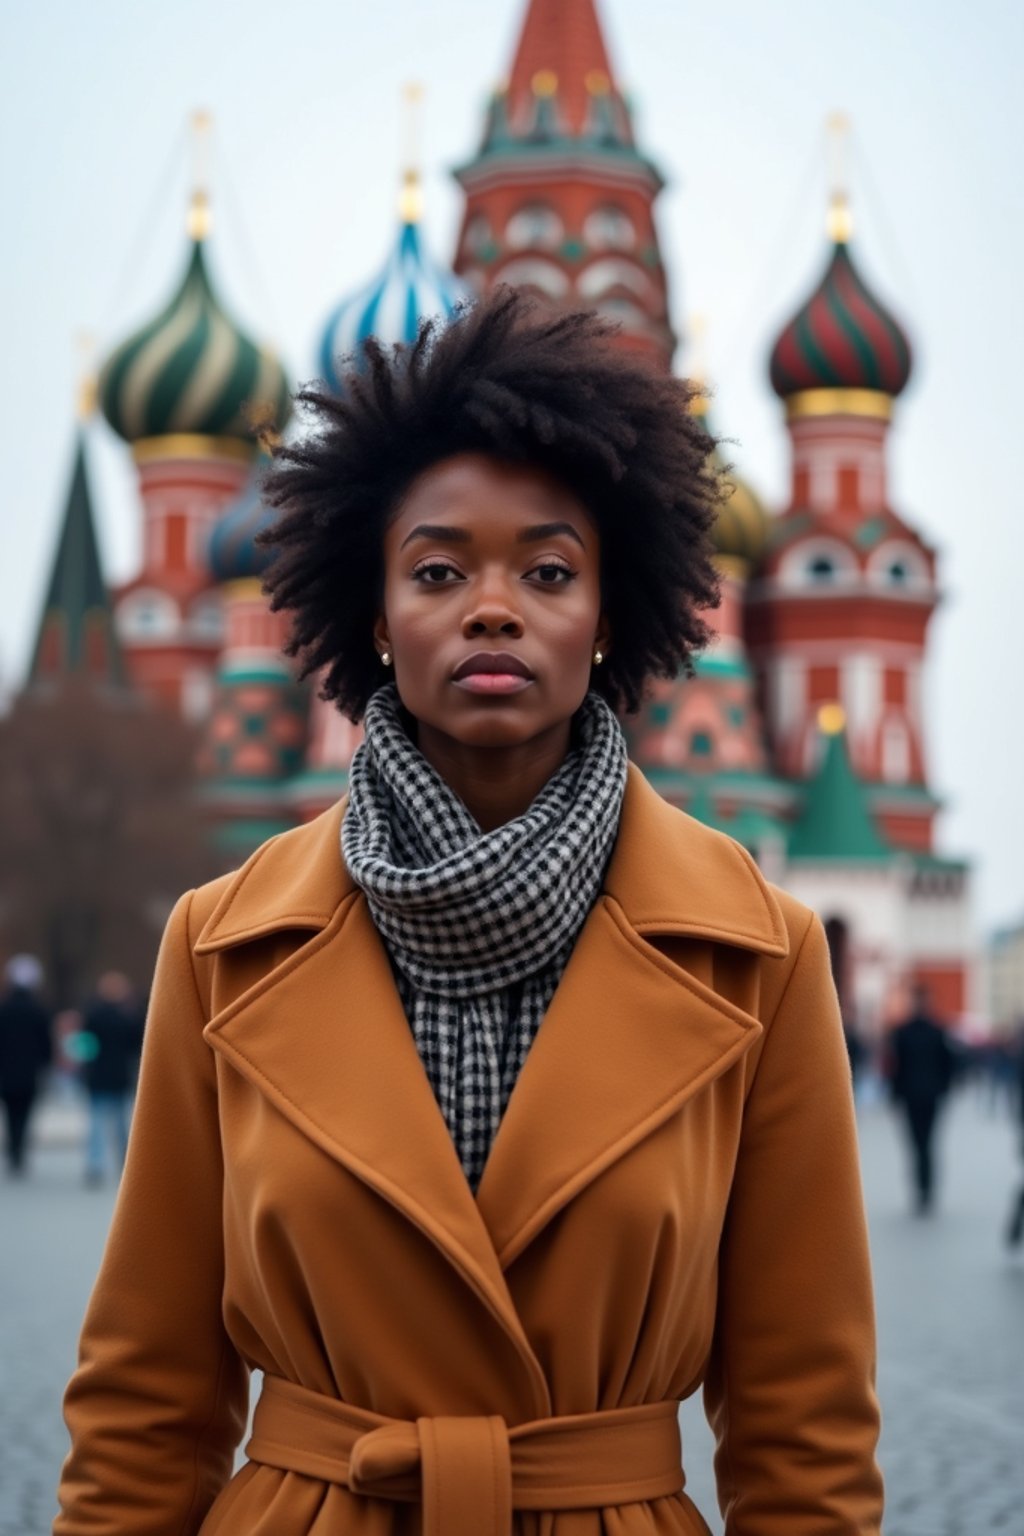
496,784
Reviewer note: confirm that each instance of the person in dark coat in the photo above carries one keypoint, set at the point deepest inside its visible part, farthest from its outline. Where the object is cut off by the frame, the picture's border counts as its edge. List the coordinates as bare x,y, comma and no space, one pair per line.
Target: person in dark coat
112,1025
1015,1229
921,1074
26,1050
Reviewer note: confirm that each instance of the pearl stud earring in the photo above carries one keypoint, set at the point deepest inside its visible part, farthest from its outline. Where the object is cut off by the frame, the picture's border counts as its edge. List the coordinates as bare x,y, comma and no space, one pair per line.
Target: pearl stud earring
598,658
385,657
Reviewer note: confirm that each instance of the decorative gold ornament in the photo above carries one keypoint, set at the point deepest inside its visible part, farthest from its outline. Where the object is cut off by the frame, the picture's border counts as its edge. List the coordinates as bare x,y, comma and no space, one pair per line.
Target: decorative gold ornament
839,402
831,719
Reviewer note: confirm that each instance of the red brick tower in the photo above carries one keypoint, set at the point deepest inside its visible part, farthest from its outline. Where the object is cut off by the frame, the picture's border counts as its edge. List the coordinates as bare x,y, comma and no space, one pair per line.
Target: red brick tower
559,199
840,606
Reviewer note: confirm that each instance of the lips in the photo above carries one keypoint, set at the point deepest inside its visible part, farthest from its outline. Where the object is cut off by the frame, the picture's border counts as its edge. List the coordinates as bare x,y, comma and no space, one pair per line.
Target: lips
500,662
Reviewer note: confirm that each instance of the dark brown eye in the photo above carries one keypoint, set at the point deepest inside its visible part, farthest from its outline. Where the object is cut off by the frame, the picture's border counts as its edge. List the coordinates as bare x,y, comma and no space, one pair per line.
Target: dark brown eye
552,574
434,573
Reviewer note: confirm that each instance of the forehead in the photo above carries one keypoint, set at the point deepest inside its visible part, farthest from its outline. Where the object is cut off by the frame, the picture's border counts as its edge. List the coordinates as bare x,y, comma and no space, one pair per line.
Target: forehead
477,485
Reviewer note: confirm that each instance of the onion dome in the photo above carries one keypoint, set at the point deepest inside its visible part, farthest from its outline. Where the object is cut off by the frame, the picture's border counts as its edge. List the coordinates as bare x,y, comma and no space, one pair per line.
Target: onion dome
410,287
842,338
740,531
192,370
741,527
233,554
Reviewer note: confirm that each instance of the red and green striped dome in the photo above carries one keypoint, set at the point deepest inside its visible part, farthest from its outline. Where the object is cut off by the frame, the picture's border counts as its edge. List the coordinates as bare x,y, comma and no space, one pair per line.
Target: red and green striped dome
842,338
192,371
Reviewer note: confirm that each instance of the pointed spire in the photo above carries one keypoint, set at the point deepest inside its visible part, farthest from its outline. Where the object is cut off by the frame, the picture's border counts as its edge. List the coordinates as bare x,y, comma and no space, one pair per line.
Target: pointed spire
836,820
76,634
561,49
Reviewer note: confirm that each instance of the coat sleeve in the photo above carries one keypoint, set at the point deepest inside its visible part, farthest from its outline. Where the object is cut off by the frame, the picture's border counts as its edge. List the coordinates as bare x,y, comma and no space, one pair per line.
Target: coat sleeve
159,1400
790,1389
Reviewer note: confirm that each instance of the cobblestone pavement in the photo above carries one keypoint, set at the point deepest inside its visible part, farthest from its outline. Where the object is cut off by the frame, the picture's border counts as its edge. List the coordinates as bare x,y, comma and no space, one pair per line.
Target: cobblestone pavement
950,1312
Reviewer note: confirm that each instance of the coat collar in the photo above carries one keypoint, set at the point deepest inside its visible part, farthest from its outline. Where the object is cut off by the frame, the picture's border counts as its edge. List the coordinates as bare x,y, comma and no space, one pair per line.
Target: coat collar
668,873
629,1036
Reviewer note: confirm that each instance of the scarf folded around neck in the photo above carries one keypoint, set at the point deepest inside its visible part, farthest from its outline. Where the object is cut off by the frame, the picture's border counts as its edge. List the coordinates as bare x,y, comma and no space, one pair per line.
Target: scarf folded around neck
478,925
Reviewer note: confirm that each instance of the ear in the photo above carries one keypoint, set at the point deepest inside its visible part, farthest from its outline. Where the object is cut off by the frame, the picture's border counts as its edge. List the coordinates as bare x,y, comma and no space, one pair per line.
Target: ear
381,638
603,637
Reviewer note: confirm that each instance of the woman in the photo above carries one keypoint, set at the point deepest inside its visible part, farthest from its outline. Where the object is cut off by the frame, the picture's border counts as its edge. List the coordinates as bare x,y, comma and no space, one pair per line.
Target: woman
504,1105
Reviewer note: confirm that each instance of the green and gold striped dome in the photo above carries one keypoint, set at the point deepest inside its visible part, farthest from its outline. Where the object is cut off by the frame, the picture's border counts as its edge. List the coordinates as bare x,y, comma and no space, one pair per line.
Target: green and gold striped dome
192,371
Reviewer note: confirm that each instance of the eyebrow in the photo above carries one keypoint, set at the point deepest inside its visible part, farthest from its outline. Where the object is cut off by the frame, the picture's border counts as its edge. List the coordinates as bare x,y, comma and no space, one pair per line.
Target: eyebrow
448,535
547,531
436,531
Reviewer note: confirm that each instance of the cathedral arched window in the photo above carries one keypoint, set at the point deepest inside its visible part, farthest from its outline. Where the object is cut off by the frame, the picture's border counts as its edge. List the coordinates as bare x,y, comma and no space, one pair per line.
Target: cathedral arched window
818,562
536,274
609,229
534,227
629,315
609,274
897,564
147,615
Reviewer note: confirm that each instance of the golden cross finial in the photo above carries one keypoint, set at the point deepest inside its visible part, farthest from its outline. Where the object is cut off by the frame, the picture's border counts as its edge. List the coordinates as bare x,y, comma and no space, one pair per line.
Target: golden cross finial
199,204
839,222
410,199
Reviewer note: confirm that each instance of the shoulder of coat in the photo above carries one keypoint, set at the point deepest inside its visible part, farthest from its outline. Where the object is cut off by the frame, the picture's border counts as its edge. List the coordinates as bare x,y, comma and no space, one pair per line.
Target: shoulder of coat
295,879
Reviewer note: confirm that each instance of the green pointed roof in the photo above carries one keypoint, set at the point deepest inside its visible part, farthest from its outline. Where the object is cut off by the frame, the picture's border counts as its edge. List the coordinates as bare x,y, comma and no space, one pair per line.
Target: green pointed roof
836,820
76,631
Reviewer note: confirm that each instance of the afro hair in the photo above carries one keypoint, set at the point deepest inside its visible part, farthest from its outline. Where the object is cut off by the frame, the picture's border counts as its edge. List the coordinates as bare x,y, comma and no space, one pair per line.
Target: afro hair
509,376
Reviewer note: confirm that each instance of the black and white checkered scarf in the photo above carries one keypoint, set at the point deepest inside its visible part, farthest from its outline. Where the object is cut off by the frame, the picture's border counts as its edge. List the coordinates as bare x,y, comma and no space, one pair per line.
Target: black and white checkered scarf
478,925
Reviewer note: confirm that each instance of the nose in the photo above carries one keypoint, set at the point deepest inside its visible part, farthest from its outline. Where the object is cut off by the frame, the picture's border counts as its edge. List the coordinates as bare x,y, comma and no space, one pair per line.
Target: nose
493,610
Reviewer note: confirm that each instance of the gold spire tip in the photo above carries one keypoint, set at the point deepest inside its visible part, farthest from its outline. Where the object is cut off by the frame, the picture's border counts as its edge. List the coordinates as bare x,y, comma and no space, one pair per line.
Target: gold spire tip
839,222
410,198
831,719
198,219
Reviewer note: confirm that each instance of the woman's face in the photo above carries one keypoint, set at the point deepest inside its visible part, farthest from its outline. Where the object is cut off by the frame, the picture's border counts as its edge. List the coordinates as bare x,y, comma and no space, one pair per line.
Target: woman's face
492,603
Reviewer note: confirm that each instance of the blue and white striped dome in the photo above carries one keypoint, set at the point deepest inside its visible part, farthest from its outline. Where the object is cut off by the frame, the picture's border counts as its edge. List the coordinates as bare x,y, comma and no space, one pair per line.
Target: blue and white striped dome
410,287
232,553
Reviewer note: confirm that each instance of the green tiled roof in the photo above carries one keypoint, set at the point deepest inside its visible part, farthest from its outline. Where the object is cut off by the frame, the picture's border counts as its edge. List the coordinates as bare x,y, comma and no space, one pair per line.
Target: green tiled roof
835,821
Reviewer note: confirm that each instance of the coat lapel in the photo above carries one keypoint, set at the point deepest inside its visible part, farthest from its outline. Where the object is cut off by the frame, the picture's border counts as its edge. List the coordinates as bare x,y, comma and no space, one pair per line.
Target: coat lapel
628,1037
325,1037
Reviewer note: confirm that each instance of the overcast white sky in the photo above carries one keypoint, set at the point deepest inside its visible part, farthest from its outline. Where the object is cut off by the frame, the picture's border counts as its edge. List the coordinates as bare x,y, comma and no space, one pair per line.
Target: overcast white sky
731,101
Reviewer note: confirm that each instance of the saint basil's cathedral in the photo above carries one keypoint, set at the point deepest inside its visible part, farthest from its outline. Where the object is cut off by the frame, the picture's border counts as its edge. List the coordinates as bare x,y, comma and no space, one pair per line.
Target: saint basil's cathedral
801,734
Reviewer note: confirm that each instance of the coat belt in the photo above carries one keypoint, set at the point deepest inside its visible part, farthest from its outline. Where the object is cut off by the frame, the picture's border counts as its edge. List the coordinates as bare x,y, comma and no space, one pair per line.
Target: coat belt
471,1471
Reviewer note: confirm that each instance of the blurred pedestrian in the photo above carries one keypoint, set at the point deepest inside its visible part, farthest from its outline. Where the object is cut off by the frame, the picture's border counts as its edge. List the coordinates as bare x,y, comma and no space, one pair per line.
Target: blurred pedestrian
921,1064
112,1025
1015,1230
26,1050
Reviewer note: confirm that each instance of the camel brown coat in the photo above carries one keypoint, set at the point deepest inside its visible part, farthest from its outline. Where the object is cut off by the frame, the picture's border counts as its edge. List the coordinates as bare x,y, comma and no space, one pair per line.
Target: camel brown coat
672,1199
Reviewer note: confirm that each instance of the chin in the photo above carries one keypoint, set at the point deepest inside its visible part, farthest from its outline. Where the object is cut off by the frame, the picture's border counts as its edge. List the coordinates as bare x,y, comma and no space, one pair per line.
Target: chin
498,728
